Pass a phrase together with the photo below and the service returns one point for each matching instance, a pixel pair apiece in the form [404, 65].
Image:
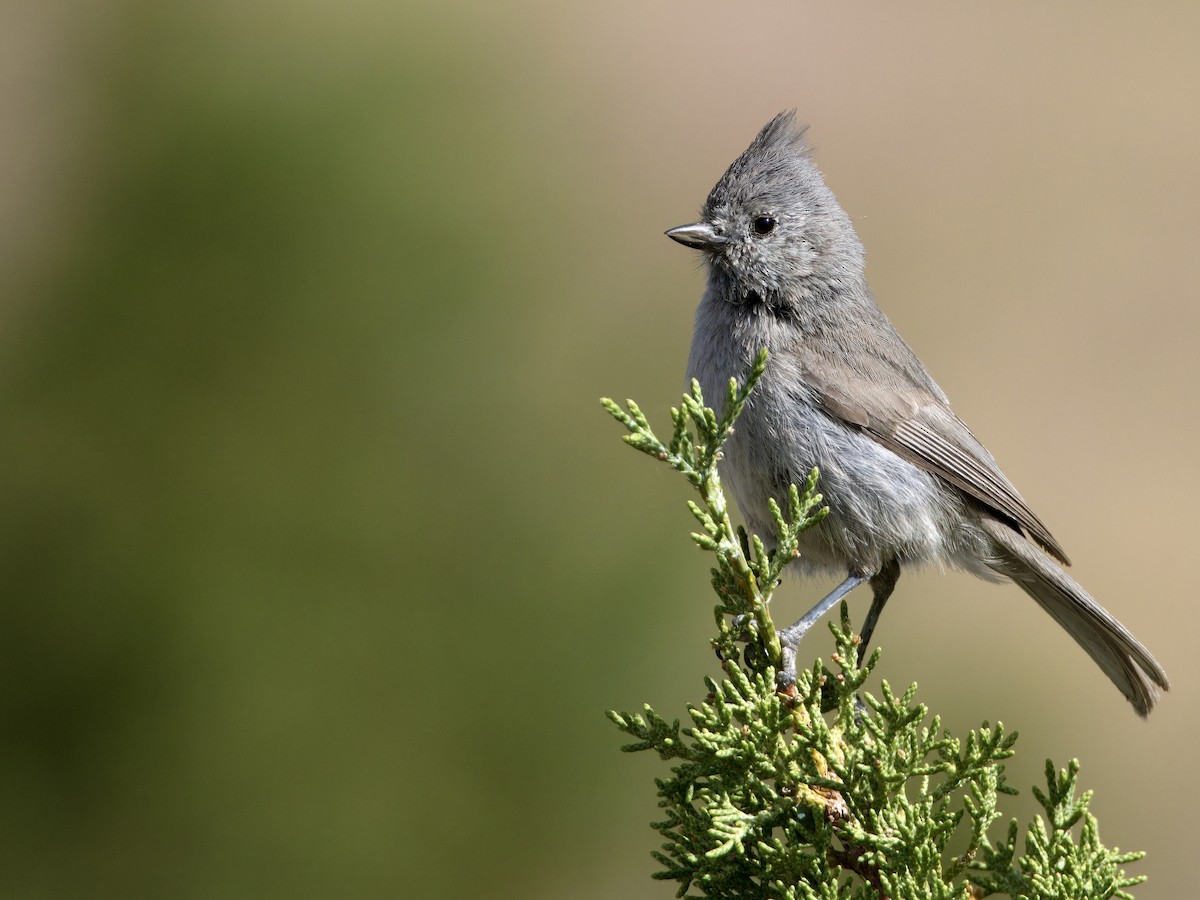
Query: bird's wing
[927, 433]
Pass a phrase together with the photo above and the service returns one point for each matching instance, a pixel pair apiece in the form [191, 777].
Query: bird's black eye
[763, 225]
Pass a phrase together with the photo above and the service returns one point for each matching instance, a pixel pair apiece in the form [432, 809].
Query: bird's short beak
[700, 236]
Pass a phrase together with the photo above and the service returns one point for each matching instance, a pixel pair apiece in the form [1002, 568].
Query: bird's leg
[883, 583]
[790, 637]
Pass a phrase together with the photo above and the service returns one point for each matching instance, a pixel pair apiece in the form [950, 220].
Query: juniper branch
[746, 574]
[824, 790]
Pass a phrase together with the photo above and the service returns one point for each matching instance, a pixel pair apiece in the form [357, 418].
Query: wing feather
[913, 420]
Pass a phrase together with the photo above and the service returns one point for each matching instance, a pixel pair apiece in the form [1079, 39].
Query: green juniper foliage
[810, 791]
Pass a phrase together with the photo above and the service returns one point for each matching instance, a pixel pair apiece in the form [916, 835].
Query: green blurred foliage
[271, 490]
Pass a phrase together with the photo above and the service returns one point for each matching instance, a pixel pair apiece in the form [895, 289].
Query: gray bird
[905, 481]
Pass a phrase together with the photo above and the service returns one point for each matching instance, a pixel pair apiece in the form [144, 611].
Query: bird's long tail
[1130, 665]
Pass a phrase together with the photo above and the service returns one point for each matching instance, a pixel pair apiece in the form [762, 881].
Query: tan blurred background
[320, 560]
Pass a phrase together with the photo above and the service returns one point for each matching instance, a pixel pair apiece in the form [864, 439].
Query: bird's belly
[881, 507]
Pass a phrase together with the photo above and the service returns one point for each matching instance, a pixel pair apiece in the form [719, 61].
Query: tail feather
[1131, 666]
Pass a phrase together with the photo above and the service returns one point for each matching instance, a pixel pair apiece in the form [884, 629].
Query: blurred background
[320, 560]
